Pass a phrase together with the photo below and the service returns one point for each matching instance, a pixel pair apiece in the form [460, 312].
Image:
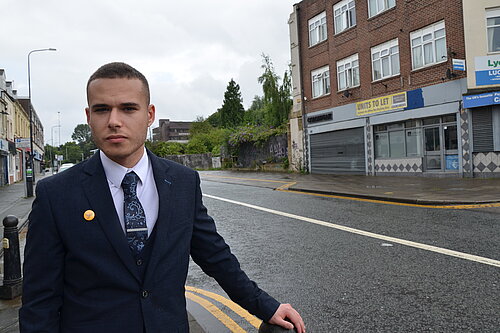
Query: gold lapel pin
[89, 215]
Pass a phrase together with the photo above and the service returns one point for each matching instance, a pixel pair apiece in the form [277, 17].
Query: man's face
[119, 116]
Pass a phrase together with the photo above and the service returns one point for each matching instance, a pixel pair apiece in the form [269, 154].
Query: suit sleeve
[43, 269]
[212, 254]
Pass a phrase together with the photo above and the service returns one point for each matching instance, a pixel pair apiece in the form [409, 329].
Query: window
[493, 28]
[344, 15]
[317, 29]
[378, 6]
[320, 82]
[385, 60]
[348, 72]
[398, 140]
[428, 45]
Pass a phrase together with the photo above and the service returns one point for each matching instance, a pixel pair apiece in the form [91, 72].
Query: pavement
[409, 189]
[416, 190]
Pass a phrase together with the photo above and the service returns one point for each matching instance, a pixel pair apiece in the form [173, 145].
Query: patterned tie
[135, 219]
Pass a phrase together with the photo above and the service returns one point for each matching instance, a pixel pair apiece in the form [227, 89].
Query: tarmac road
[344, 281]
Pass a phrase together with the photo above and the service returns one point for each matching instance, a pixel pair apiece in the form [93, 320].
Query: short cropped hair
[119, 70]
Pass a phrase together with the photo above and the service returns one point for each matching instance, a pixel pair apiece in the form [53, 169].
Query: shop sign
[452, 162]
[458, 64]
[387, 103]
[474, 101]
[22, 142]
[4, 145]
[319, 118]
[487, 70]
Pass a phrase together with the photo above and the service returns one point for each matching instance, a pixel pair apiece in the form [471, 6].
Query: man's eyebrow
[129, 104]
[95, 106]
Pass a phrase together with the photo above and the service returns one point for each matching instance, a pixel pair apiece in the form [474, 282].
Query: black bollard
[269, 328]
[12, 280]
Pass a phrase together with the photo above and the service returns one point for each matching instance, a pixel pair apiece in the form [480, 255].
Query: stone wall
[196, 161]
[275, 150]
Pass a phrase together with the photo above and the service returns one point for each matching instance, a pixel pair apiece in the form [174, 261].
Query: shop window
[381, 145]
[397, 144]
[344, 14]
[493, 29]
[317, 29]
[428, 45]
[414, 142]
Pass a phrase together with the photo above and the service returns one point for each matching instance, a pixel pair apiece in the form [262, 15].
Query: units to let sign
[387, 103]
[487, 70]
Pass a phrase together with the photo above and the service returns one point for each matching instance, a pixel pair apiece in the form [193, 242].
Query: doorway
[441, 144]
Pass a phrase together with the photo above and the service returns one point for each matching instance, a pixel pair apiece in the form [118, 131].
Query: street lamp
[52, 147]
[30, 175]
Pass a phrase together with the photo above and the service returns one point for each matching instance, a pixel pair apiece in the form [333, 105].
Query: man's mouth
[116, 138]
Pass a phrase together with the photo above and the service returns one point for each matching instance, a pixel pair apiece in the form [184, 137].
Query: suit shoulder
[63, 178]
[176, 167]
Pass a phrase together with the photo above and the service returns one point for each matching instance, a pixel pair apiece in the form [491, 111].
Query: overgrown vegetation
[231, 126]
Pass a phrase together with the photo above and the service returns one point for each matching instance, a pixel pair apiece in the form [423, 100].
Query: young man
[109, 240]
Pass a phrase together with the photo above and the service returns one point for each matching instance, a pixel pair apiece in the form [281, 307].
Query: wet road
[358, 280]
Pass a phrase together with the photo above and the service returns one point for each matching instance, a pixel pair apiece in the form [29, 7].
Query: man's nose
[114, 118]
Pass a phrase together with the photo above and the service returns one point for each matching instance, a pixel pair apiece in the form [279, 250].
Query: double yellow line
[286, 185]
[191, 294]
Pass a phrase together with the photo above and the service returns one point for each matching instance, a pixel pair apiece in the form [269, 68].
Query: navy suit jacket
[80, 276]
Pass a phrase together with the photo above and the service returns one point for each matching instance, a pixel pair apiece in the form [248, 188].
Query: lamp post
[52, 148]
[30, 175]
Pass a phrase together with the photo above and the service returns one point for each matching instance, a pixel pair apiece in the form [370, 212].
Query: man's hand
[285, 311]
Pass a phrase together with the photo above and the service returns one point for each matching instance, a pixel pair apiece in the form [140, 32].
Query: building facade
[174, 131]
[480, 117]
[15, 134]
[379, 85]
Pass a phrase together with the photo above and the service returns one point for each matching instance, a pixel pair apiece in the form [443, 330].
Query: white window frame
[492, 13]
[320, 82]
[317, 29]
[426, 38]
[380, 6]
[344, 15]
[386, 53]
[348, 72]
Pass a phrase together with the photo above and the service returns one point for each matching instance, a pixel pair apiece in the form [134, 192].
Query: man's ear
[87, 113]
[151, 114]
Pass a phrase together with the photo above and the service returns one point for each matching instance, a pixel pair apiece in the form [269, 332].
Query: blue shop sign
[474, 101]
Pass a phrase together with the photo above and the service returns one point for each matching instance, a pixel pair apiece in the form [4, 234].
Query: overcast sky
[188, 50]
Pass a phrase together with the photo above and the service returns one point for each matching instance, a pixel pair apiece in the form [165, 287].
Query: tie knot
[129, 183]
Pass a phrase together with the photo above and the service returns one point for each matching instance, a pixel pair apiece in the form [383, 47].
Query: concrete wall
[273, 151]
[196, 161]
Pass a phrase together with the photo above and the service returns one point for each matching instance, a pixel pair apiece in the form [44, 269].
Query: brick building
[378, 87]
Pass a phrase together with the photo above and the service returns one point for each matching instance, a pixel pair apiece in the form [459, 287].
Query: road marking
[287, 184]
[421, 246]
[230, 304]
[216, 312]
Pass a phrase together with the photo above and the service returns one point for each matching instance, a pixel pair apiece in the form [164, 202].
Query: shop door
[441, 148]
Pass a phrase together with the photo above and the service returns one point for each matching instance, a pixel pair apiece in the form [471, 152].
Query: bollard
[12, 280]
[269, 328]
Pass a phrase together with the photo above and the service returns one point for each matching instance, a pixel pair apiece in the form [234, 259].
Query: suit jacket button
[139, 262]
[145, 294]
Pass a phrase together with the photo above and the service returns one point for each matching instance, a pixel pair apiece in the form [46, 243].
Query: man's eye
[130, 108]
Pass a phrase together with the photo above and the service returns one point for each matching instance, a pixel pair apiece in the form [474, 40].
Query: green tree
[256, 115]
[72, 152]
[83, 136]
[199, 126]
[232, 111]
[277, 98]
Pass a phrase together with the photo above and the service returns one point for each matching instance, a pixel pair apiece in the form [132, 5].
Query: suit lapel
[164, 183]
[96, 189]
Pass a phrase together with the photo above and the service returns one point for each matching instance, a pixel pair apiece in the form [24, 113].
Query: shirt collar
[115, 172]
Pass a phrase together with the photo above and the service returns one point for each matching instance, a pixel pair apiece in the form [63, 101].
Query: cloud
[188, 50]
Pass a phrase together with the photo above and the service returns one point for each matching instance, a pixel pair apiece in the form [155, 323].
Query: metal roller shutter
[482, 130]
[338, 152]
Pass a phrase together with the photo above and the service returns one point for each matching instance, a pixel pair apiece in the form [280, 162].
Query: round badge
[89, 215]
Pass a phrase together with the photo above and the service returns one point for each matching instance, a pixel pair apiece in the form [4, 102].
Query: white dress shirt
[146, 188]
